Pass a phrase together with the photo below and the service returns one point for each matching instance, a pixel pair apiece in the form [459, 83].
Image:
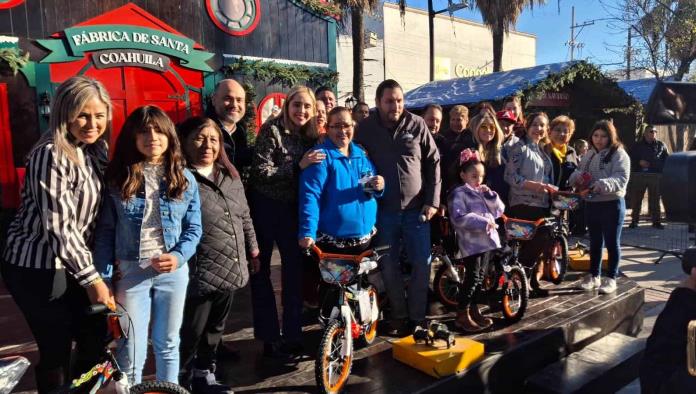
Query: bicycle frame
[354, 290]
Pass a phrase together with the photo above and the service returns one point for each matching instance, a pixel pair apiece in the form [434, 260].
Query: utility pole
[451, 8]
[628, 55]
[573, 36]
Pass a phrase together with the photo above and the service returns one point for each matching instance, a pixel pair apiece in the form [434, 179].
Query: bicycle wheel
[515, 295]
[331, 369]
[153, 387]
[557, 262]
[369, 330]
[446, 289]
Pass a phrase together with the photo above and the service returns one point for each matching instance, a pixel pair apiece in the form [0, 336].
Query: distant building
[399, 50]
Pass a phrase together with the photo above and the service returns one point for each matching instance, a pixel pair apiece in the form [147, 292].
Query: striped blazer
[55, 223]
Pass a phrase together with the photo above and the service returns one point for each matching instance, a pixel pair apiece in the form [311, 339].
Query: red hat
[507, 116]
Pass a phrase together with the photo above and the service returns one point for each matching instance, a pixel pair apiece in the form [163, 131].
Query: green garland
[580, 70]
[318, 7]
[249, 118]
[286, 75]
[11, 59]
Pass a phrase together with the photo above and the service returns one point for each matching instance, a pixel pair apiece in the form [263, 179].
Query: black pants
[53, 305]
[531, 250]
[202, 329]
[475, 269]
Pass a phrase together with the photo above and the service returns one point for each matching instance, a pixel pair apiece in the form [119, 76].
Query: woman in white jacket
[604, 170]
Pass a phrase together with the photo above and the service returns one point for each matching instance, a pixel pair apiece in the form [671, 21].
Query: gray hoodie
[406, 157]
[611, 177]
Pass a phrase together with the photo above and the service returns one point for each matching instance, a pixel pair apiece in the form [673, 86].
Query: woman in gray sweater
[604, 170]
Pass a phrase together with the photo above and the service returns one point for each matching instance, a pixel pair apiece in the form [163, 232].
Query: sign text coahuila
[119, 58]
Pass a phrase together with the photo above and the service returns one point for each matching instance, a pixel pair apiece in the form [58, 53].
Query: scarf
[559, 153]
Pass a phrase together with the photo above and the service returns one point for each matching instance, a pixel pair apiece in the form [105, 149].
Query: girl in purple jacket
[473, 210]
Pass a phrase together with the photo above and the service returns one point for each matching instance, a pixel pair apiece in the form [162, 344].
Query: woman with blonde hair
[489, 137]
[282, 150]
[48, 266]
[563, 156]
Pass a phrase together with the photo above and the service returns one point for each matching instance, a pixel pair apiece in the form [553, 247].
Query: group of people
[167, 231]
[504, 164]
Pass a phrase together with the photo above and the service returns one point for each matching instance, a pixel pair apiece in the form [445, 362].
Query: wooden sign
[130, 57]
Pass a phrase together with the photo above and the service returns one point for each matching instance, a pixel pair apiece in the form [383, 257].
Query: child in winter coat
[473, 210]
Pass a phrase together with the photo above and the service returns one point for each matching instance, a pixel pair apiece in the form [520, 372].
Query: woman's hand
[100, 293]
[306, 242]
[312, 157]
[165, 263]
[254, 262]
[377, 183]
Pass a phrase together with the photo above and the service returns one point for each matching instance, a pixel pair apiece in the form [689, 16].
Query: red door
[9, 188]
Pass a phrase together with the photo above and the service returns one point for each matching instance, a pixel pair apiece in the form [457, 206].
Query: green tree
[500, 16]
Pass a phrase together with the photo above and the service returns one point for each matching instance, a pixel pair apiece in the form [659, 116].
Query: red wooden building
[164, 52]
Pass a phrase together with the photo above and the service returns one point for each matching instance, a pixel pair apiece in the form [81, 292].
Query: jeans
[392, 228]
[276, 221]
[145, 293]
[604, 221]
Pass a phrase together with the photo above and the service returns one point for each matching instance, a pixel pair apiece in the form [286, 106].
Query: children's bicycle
[505, 281]
[107, 371]
[353, 316]
[556, 255]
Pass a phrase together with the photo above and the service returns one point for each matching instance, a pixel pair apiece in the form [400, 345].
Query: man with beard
[403, 150]
[229, 107]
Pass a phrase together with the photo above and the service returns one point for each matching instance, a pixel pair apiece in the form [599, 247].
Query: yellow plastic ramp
[437, 360]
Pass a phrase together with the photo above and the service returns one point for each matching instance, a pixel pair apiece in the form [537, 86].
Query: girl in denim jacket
[473, 210]
[150, 224]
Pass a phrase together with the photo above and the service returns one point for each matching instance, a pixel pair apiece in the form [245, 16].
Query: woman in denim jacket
[150, 224]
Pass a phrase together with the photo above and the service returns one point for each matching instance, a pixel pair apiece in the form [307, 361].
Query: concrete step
[604, 366]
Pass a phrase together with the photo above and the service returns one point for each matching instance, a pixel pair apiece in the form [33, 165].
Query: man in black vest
[229, 107]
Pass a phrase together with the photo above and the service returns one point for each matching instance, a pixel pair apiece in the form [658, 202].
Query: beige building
[462, 49]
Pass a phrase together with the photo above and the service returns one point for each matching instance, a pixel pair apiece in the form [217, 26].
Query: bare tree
[664, 33]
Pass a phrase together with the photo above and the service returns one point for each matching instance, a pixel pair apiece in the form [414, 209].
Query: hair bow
[467, 155]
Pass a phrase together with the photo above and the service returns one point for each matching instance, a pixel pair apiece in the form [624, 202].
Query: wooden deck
[565, 321]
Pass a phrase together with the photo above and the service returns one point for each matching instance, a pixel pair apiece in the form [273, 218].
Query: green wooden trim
[331, 44]
[29, 72]
[209, 82]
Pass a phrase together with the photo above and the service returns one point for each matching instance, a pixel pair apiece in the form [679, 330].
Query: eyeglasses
[340, 126]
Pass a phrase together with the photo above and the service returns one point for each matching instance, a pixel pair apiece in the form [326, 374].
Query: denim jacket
[118, 228]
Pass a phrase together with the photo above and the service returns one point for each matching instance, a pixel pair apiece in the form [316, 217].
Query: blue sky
[553, 30]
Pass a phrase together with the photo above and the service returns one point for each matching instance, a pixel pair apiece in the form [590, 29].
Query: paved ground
[637, 264]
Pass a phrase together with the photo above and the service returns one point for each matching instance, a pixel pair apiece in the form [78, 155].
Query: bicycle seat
[11, 371]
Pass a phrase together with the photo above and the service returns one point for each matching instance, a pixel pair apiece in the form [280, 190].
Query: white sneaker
[589, 282]
[608, 286]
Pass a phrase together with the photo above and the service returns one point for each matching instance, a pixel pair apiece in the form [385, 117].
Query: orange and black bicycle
[352, 316]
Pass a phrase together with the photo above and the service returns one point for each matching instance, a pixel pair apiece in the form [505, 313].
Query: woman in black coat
[219, 267]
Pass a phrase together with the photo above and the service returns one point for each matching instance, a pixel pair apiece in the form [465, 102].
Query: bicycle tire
[447, 290]
[557, 263]
[156, 386]
[515, 289]
[332, 334]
